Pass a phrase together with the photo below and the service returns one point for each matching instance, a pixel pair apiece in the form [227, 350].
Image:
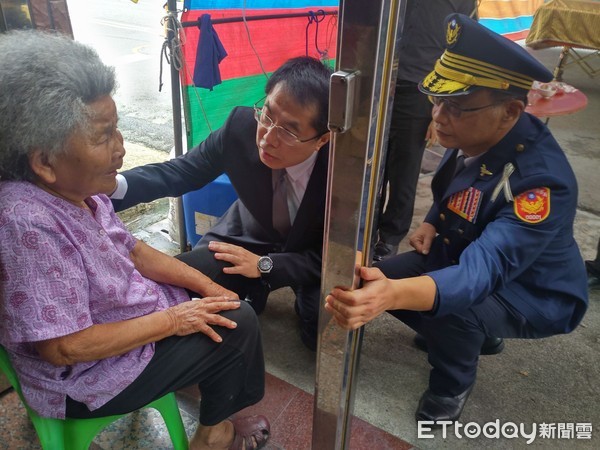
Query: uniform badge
[452, 33]
[466, 203]
[533, 206]
[483, 171]
[504, 185]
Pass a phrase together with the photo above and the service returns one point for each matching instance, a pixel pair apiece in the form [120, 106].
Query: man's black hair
[306, 79]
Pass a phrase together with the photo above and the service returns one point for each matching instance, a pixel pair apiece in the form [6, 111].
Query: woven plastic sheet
[574, 23]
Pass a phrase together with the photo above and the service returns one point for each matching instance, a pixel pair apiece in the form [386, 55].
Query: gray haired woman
[95, 321]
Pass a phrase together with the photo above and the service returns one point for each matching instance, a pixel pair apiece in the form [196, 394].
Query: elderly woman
[96, 322]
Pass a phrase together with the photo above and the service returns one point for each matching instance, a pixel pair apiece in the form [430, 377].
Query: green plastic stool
[77, 434]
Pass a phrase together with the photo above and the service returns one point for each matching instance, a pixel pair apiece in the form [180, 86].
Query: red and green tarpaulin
[253, 48]
[256, 47]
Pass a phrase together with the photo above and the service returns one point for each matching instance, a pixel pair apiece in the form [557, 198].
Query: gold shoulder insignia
[483, 171]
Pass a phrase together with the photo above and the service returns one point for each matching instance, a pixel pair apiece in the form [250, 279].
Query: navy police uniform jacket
[521, 249]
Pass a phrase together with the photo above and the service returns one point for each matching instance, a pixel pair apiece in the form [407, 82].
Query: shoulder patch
[533, 206]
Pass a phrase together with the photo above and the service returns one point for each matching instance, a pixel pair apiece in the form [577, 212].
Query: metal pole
[176, 103]
[361, 97]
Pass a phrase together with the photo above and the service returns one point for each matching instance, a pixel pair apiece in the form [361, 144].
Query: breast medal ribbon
[466, 203]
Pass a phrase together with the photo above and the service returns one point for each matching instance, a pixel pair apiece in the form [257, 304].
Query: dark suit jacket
[248, 222]
[522, 250]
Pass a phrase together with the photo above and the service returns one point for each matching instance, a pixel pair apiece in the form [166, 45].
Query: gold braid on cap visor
[453, 67]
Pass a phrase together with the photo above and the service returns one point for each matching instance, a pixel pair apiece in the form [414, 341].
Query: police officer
[495, 255]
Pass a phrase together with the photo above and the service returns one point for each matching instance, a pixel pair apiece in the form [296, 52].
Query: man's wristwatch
[265, 264]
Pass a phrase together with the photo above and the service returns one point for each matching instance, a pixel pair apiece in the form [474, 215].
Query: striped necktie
[281, 213]
[460, 164]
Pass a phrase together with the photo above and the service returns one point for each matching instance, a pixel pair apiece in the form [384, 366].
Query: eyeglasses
[453, 109]
[285, 136]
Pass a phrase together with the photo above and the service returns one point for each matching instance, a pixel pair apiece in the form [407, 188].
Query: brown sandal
[247, 428]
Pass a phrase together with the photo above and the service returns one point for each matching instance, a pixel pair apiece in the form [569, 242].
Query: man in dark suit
[280, 147]
[495, 255]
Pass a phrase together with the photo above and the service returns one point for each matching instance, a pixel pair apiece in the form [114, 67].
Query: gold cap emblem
[452, 33]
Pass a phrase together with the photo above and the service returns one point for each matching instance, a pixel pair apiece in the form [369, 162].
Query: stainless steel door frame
[360, 109]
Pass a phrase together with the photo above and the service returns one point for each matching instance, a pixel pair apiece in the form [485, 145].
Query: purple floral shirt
[62, 270]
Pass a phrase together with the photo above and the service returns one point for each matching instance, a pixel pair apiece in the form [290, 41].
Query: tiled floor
[288, 408]
[290, 411]
[143, 429]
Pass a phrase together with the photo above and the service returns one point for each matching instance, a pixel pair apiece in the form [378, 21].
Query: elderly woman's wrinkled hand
[200, 315]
